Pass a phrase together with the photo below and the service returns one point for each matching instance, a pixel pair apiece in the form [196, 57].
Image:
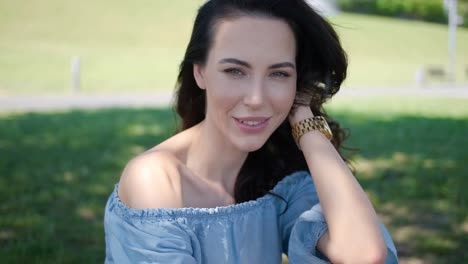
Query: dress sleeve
[303, 223]
[143, 239]
[302, 200]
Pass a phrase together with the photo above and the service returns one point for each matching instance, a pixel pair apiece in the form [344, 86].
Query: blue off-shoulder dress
[257, 231]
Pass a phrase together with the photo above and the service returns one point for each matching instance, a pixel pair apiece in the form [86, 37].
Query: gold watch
[309, 124]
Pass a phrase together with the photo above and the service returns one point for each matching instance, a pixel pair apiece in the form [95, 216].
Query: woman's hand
[301, 108]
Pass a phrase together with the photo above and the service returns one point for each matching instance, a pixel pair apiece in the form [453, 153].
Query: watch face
[328, 132]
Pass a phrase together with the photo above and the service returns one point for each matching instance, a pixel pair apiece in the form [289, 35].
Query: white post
[420, 77]
[452, 6]
[75, 72]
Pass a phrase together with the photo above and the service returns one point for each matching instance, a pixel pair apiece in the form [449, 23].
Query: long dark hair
[321, 68]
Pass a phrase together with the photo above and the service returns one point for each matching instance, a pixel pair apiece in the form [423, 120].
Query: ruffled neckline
[129, 212]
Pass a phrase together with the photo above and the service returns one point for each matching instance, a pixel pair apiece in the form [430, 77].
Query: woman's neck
[211, 157]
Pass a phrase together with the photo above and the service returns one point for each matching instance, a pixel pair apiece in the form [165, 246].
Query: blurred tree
[428, 10]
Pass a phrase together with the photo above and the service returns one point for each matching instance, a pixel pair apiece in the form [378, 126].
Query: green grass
[412, 164]
[386, 51]
[123, 45]
[137, 46]
[58, 168]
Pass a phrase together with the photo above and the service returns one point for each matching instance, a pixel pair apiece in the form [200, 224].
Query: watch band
[309, 124]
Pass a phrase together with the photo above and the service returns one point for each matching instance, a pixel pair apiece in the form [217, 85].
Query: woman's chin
[250, 146]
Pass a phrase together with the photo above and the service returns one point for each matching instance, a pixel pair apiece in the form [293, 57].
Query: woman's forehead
[253, 38]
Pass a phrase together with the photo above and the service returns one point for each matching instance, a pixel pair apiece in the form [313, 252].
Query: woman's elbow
[374, 255]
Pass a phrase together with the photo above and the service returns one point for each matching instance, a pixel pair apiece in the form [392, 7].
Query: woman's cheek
[283, 96]
[225, 95]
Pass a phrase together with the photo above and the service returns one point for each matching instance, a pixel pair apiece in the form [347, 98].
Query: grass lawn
[123, 45]
[58, 168]
[386, 51]
[136, 46]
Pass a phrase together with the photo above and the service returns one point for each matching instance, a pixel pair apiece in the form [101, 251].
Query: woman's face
[250, 79]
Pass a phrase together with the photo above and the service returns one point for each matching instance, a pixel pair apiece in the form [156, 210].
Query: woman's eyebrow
[246, 64]
[282, 65]
[235, 61]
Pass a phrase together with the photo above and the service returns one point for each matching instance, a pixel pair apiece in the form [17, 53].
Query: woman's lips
[252, 125]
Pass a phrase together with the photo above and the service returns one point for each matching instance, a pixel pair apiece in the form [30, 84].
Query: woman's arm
[354, 234]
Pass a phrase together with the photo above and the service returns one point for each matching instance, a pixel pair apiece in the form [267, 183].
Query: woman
[234, 185]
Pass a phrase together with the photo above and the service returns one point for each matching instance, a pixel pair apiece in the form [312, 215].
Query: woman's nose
[255, 94]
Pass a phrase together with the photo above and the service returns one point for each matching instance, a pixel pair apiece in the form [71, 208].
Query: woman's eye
[280, 74]
[235, 72]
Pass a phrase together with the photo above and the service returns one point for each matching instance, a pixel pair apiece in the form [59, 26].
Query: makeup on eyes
[239, 72]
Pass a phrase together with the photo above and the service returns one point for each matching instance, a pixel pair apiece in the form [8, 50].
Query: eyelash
[281, 74]
[234, 71]
[237, 72]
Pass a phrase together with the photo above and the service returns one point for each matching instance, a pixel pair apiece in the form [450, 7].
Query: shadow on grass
[57, 172]
[59, 168]
[414, 170]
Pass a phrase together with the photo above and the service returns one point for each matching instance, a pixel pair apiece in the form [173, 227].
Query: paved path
[161, 99]
[83, 101]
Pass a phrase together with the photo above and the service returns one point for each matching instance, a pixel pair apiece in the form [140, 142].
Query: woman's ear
[199, 74]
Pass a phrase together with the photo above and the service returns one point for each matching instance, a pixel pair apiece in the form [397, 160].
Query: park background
[58, 166]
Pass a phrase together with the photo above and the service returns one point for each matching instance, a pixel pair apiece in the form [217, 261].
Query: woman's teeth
[252, 123]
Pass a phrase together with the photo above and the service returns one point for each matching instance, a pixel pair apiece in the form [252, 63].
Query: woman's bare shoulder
[151, 180]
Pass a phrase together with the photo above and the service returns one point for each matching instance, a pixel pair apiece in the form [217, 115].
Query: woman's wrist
[313, 138]
[304, 124]
[300, 113]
